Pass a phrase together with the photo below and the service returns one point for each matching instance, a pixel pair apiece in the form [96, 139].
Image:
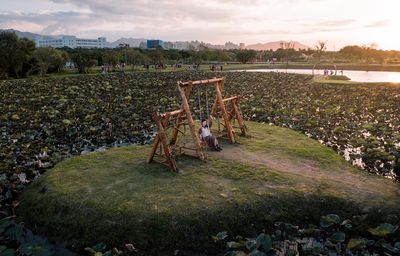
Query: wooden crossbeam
[178, 130]
[230, 98]
[176, 112]
[201, 82]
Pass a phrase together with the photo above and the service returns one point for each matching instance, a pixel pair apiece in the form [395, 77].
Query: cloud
[337, 23]
[378, 24]
[215, 21]
[49, 22]
[183, 10]
[165, 18]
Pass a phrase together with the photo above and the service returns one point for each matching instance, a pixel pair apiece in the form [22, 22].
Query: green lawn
[273, 174]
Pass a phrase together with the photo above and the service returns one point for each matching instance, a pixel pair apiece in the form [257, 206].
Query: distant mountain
[274, 46]
[133, 42]
[29, 35]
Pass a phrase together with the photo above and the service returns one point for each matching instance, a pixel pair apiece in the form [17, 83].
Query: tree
[367, 50]
[288, 50]
[184, 55]
[111, 58]
[173, 55]
[16, 55]
[84, 59]
[196, 57]
[134, 57]
[157, 56]
[221, 56]
[49, 58]
[352, 52]
[320, 48]
[245, 56]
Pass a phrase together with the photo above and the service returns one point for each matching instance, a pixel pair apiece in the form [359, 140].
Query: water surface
[354, 75]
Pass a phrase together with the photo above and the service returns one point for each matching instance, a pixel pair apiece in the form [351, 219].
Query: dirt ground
[311, 175]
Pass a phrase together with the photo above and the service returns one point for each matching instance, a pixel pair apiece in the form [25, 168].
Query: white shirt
[205, 132]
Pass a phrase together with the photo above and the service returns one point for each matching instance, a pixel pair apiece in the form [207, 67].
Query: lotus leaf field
[43, 121]
[46, 120]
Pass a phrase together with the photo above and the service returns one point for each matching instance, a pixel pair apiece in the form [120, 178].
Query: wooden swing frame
[183, 116]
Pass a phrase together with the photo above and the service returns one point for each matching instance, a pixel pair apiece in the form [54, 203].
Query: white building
[168, 45]
[181, 45]
[71, 42]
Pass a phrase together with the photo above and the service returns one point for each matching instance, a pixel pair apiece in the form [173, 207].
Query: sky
[339, 22]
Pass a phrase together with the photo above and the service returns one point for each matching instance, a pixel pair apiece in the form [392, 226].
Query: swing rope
[208, 112]
[199, 101]
[198, 96]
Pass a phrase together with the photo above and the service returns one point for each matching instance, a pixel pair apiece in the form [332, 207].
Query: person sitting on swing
[206, 135]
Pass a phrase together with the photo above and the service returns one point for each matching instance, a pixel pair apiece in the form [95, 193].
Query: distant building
[194, 45]
[230, 46]
[71, 42]
[123, 45]
[143, 45]
[181, 45]
[154, 44]
[215, 46]
[168, 45]
[242, 46]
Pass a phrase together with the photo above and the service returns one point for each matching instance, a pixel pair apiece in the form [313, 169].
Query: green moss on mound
[275, 174]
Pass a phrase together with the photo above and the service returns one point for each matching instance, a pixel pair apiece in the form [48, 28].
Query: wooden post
[215, 105]
[153, 149]
[175, 131]
[157, 138]
[196, 140]
[165, 120]
[239, 116]
[163, 139]
[188, 89]
[228, 125]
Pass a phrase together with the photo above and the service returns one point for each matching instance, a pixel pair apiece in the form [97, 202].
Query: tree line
[21, 58]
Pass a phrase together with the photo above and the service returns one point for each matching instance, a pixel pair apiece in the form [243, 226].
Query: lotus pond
[46, 120]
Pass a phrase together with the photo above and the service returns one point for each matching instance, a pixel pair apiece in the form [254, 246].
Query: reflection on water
[354, 75]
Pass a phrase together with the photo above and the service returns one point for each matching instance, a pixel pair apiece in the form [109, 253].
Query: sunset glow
[337, 21]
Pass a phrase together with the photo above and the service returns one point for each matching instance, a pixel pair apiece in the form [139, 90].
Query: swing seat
[202, 142]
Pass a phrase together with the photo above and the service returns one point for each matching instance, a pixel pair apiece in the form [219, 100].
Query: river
[354, 75]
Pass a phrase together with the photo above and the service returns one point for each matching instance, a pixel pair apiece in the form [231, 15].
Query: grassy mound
[338, 77]
[275, 174]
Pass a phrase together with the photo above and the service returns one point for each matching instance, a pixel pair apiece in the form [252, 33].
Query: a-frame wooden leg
[179, 118]
[156, 143]
[176, 129]
[214, 108]
[239, 116]
[225, 116]
[162, 138]
[153, 149]
[232, 113]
